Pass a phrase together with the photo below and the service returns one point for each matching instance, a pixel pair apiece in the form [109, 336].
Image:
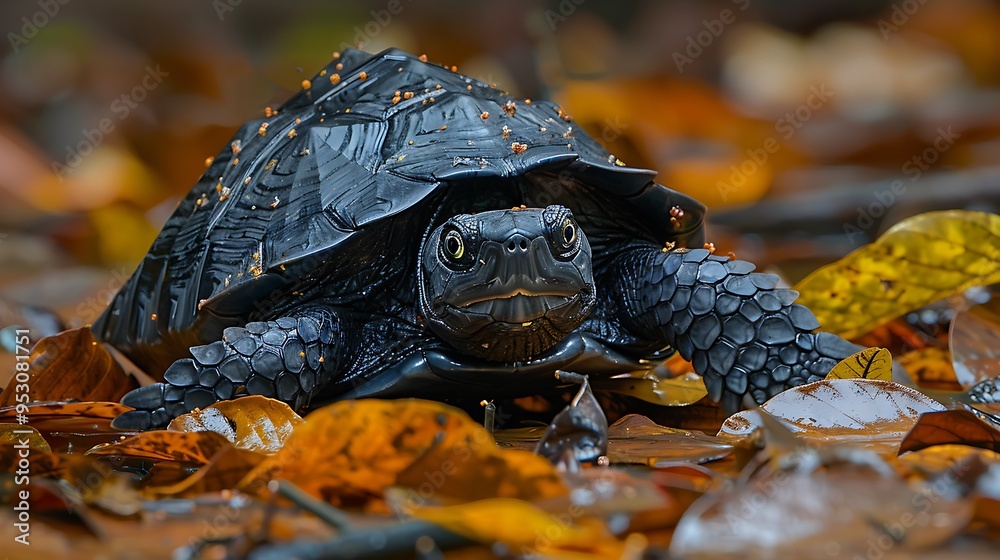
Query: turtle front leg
[289, 359]
[742, 334]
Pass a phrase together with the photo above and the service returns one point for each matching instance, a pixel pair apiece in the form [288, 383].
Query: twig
[331, 515]
[362, 545]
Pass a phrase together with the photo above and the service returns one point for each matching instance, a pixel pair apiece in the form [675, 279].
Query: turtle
[398, 229]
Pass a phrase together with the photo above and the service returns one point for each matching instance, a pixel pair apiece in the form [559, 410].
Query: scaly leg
[289, 359]
[742, 334]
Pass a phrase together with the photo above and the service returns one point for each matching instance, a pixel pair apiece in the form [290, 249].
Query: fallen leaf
[841, 512]
[929, 365]
[916, 262]
[951, 426]
[526, 529]
[256, 423]
[349, 452]
[162, 445]
[69, 425]
[71, 365]
[224, 471]
[580, 429]
[637, 439]
[870, 363]
[677, 391]
[874, 414]
[974, 341]
[23, 435]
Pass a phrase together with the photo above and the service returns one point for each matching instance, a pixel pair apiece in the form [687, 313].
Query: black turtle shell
[367, 138]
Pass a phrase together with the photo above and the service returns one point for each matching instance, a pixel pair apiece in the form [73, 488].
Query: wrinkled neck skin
[506, 285]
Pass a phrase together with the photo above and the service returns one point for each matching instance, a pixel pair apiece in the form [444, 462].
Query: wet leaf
[163, 445]
[348, 453]
[676, 391]
[875, 414]
[951, 426]
[72, 365]
[870, 363]
[526, 529]
[224, 471]
[974, 340]
[831, 513]
[580, 429]
[918, 261]
[256, 423]
[69, 425]
[23, 435]
[637, 439]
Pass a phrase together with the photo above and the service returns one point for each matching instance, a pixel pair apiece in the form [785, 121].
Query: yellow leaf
[929, 365]
[348, 453]
[16, 433]
[870, 363]
[918, 261]
[526, 529]
[677, 391]
[255, 422]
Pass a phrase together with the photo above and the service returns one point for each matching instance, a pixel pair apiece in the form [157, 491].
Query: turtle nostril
[510, 246]
[524, 245]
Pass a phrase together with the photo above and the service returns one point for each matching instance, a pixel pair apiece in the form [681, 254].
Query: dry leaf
[870, 363]
[224, 471]
[72, 365]
[867, 412]
[256, 423]
[916, 262]
[951, 426]
[929, 365]
[348, 453]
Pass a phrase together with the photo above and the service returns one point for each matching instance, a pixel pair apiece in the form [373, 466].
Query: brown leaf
[163, 445]
[71, 365]
[637, 439]
[223, 472]
[348, 453]
[69, 425]
[256, 423]
[951, 426]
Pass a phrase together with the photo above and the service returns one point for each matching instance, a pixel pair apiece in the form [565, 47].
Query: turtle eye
[453, 246]
[568, 232]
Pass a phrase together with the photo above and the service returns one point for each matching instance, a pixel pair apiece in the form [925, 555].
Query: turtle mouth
[521, 307]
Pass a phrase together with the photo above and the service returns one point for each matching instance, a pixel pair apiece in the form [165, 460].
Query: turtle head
[506, 285]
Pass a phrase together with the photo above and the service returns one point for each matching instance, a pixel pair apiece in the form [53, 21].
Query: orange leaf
[72, 365]
[348, 453]
[256, 423]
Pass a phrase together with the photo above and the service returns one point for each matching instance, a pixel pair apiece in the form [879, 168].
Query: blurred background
[807, 127]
